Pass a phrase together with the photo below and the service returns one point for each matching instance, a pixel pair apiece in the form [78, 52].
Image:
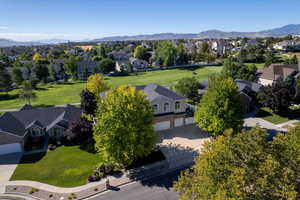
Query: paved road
[155, 189]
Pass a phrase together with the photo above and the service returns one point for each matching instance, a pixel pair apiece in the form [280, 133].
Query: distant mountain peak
[209, 34]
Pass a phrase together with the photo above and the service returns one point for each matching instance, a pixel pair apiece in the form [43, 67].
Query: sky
[26, 20]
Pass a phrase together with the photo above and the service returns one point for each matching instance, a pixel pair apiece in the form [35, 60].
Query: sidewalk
[290, 123]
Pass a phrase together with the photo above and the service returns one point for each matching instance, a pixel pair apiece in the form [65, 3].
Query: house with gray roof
[247, 90]
[169, 108]
[17, 127]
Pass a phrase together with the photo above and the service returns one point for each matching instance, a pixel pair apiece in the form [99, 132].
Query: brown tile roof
[277, 71]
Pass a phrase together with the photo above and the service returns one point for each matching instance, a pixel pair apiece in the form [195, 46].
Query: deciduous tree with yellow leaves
[96, 84]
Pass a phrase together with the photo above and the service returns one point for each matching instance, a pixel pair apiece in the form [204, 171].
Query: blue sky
[82, 19]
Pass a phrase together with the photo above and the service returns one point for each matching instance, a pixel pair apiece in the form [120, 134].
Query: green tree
[237, 70]
[204, 48]
[220, 107]
[52, 72]
[41, 71]
[124, 128]
[5, 79]
[182, 57]
[141, 53]
[278, 97]
[107, 65]
[189, 87]
[244, 166]
[71, 66]
[26, 92]
[101, 51]
[166, 51]
[17, 76]
[270, 58]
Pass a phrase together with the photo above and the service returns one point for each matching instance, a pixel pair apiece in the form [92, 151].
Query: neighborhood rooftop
[153, 91]
[276, 71]
[18, 122]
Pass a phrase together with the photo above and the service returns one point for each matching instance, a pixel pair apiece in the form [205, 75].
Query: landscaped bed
[268, 115]
[64, 167]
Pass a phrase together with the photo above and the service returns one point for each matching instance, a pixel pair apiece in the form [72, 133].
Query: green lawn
[64, 167]
[268, 115]
[63, 94]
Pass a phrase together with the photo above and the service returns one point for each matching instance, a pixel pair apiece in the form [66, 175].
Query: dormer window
[166, 107]
[177, 105]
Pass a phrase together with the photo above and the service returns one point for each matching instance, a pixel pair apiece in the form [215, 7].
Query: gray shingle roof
[17, 122]
[153, 91]
[246, 85]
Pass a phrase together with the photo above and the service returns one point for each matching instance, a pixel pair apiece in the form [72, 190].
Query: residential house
[278, 72]
[247, 90]
[284, 45]
[122, 66]
[120, 55]
[30, 122]
[221, 46]
[87, 66]
[138, 65]
[170, 109]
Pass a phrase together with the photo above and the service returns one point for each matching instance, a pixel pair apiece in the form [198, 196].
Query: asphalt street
[159, 188]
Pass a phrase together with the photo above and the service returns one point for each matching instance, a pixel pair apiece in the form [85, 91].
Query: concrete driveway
[182, 144]
[8, 164]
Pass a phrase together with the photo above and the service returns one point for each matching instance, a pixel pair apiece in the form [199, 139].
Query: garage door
[10, 148]
[179, 122]
[162, 125]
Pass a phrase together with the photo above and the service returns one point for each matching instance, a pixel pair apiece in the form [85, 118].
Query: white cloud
[3, 27]
[43, 36]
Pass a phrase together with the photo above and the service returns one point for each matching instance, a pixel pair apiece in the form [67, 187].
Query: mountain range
[291, 29]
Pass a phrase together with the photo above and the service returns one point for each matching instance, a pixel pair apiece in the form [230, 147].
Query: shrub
[51, 147]
[72, 196]
[103, 170]
[33, 190]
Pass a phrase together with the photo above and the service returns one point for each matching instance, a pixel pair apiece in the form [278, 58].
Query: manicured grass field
[69, 93]
[64, 167]
[268, 115]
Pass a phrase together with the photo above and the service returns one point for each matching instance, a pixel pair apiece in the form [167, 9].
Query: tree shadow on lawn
[32, 158]
[193, 68]
[41, 89]
[290, 114]
[8, 96]
[43, 105]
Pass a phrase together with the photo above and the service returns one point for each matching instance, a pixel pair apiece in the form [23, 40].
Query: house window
[155, 108]
[177, 105]
[166, 107]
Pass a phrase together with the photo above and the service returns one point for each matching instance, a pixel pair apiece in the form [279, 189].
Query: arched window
[166, 107]
[177, 105]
